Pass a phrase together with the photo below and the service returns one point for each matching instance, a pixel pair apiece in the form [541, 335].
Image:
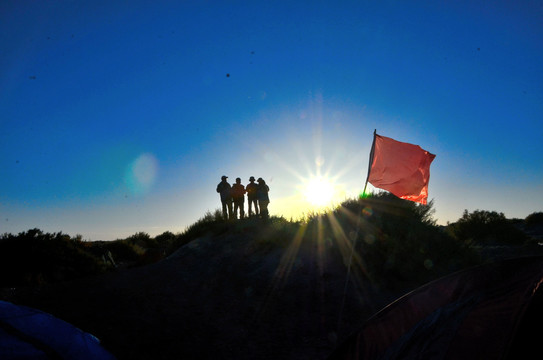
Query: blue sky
[121, 116]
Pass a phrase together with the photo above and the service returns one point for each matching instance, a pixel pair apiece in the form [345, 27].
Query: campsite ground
[223, 297]
[235, 302]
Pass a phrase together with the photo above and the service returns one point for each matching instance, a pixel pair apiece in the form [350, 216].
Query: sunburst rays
[310, 182]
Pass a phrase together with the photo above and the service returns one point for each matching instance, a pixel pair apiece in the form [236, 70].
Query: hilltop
[216, 295]
[219, 296]
[260, 289]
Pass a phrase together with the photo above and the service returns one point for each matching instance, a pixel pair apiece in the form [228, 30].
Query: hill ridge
[259, 289]
[217, 294]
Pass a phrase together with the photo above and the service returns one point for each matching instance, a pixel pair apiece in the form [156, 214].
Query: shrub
[166, 239]
[123, 250]
[535, 218]
[142, 239]
[34, 258]
[486, 228]
[398, 240]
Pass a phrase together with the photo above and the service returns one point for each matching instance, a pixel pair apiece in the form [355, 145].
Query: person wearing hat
[263, 198]
[225, 190]
[238, 195]
[251, 189]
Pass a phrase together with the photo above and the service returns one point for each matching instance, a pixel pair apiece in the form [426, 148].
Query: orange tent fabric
[401, 168]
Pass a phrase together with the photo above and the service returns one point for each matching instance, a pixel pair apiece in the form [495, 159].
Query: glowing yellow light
[319, 192]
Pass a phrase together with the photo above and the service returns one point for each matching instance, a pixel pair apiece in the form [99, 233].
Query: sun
[319, 191]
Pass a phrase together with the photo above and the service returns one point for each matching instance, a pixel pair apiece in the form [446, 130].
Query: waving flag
[401, 168]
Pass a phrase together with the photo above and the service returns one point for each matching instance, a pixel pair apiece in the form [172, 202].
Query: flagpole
[353, 245]
[372, 153]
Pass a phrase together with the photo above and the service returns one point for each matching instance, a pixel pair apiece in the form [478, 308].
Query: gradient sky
[121, 116]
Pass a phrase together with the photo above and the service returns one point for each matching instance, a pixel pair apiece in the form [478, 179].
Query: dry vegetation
[285, 289]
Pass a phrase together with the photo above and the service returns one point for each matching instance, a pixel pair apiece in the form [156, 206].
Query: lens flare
[141, 174]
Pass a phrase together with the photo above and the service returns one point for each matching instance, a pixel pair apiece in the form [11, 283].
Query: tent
[491, 311]
[27, 333]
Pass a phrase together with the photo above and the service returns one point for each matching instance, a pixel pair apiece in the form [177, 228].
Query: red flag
[401, 168]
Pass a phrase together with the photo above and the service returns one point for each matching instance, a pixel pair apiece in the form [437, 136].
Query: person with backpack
[263, 198]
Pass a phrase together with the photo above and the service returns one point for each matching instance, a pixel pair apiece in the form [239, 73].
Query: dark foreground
[235, 302]
[222, 297]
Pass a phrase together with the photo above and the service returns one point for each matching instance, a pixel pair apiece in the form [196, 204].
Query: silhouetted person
[225, 190]
[263, 198]
[238, 195]
[251, 189]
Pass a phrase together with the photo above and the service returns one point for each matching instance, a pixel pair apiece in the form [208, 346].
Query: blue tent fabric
[27, 333]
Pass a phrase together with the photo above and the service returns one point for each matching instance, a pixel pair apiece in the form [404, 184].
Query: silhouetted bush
[34, 258]
[396, 240]
[143, 240]
[166, 239]
[124, 251]
[535, 218]
[486, 228]
[396, 243]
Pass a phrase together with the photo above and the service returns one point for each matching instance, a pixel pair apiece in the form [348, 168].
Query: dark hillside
[250, 289]
[217, 295]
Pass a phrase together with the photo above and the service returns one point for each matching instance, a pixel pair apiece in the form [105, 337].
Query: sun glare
[319, 192]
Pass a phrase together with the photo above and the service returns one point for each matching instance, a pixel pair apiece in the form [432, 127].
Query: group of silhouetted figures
[233, 198]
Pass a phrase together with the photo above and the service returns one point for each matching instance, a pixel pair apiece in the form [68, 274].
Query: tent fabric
[27, 333]
[480, 313]
[401, 168]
